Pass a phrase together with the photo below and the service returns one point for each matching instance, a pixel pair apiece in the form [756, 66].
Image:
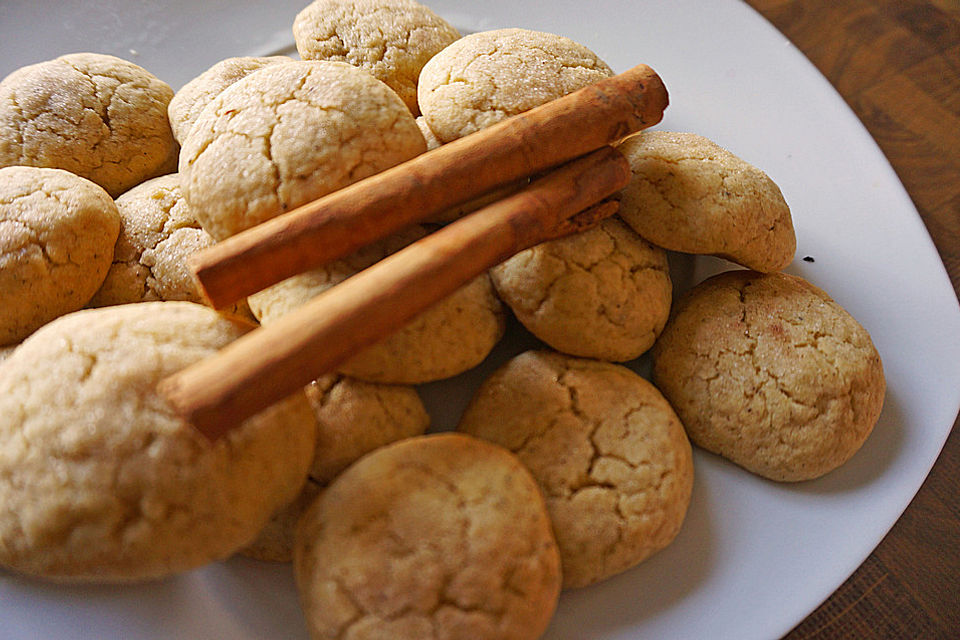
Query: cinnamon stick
[347, 219]
[272, 362]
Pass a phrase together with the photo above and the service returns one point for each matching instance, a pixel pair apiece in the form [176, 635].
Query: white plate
[754, 557]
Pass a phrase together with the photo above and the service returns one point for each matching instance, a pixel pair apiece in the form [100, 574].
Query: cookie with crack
[95, 115]
[390, 39]
[486, 77]
[189, 101]
[604, 293]
[450, 337]
[606, 448]
[57, 232]
[688, 194]
[439, 536]
[771, 373]
[288, 134]
[101, 481]
[353, 419]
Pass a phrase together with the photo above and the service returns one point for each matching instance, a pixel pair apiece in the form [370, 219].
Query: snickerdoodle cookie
[604, 293]
[390, 39]
[486, 77]
[442, 536]
[101, 481]
[94, 115]
[606, 448]
[57, 232]
[288, 134]
[769, 372]
[450, 337]
[690, 195]
[192, 97]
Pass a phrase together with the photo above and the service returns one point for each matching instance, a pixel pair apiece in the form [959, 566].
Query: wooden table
[897, 64]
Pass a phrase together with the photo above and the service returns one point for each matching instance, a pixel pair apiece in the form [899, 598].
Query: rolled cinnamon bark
[345, 220]
[272, 362]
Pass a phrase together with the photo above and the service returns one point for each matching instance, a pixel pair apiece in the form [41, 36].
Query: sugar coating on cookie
[688, 194]
[441, 536]
[192, 97]
[57, 232]
[390, 39]
[448, 338]
[94, 115]
[771, 373]
[288, 134]
[486, 77]
[101, 481]
[606, 448]
[604, 293]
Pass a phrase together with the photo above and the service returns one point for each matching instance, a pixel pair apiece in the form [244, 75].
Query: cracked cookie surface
[101, 481]
[606, 448]
[769, 372]
[95, 115]
[604, 293]
[435, 537]
[189, 101]
[390, 39]
[486, 77]
[448, 338]
[688, 194]
[57, 233]
[288, 134]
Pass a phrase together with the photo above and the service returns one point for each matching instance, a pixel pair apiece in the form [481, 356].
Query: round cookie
[57, 232]
[101, 481]
[94, 115]
[604, 293]
[441, 536]
[608, 451]
[192, 97]
[390, 39]
[690, 195]
[274, 543]
[288, 134]
[450, 337]
[769, 372]
[486, 77]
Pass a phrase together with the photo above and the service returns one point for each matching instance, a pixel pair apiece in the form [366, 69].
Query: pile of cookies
[566, 468]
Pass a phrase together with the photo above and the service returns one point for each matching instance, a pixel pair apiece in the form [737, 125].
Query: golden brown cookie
[690, 195]
[606, 448]
[486, 77]
[390, 39]
[288, 134]
[450, 337]
[274, 543]
[604, 293]
[769, 372]
[101, 481]
[192, 97]
[57, 232]
[94, 115]
[441, 536]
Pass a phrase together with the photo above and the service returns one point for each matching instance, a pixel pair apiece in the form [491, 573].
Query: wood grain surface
[897, 64]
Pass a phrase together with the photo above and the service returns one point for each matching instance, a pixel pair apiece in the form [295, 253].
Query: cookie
[101, 481]
[607, 450]
[769, 372]
[94, 115]
[450, 337]
[486, 77]
[57, 232]
[288, 134]
[390, 39]
[189, 101]
[441, 536]
[690, 195]
[274, 543]
[604, 293]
